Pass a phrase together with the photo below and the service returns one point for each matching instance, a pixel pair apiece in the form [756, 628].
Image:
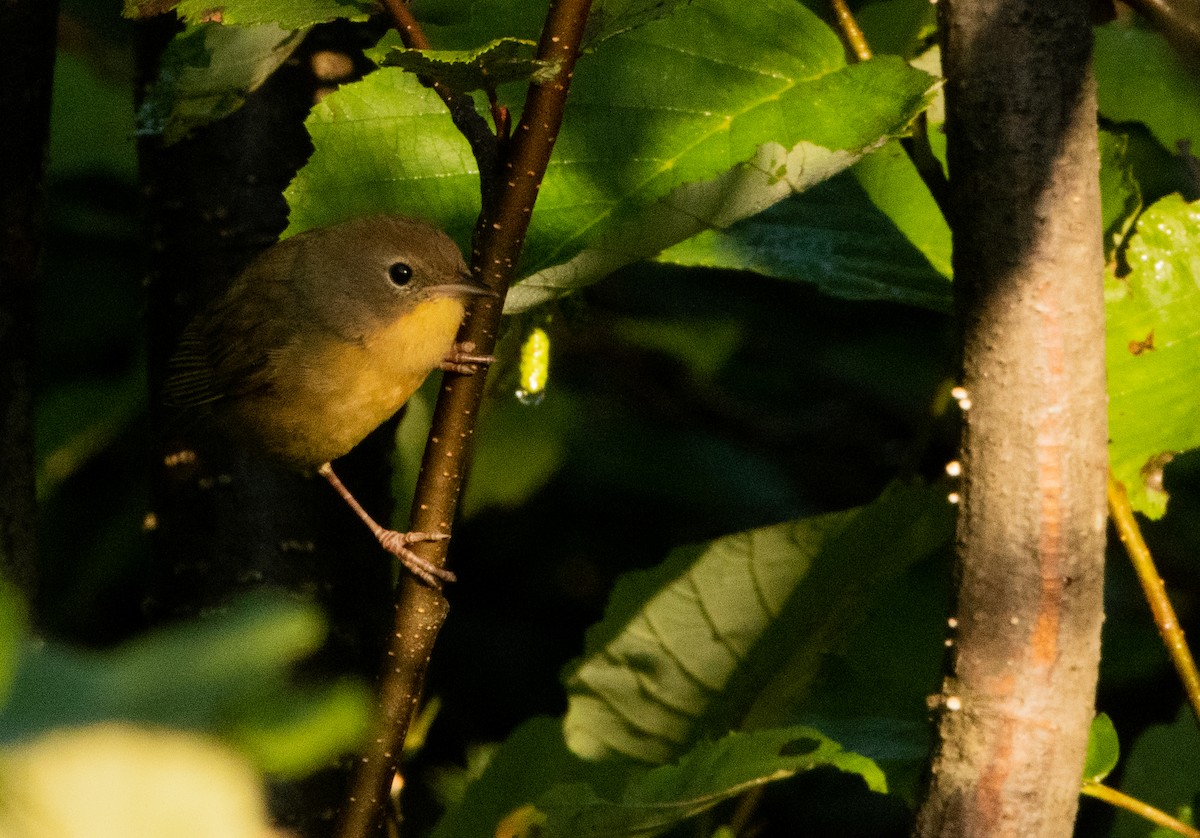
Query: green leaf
[286, 14]
[898, 27]
[1140, 78]
[1153, 348]
[534, 783]
[663, 797]
[227, 673]
[698, 120]
[292, 733]
[500, 62]
[844, 236]
[1161, 769]
[612, 17]
[385, 144]
[532, 760]
[732, 633]
[207, 71]
[1103, 749]
[91, 127]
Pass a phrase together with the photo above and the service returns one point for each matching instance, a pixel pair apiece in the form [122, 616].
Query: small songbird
[321, 339]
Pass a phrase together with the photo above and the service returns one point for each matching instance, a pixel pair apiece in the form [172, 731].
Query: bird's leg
[462, 360]
[394, 542]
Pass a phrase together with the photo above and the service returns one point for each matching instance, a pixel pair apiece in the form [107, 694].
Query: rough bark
[27, 70]
[1014, 713]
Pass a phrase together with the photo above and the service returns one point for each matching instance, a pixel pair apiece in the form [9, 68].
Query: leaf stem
[1155, 590]
[850, 29]
[1145, 810]
[461, 106]
[509, 191]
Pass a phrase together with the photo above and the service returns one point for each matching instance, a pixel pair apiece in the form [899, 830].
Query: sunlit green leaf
[697, 120]
[1103, 749]
[1153, 349]
[288, 14]
[1140, 78]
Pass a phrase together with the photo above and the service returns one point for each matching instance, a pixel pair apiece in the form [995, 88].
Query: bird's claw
[397, 543]
[461, 360]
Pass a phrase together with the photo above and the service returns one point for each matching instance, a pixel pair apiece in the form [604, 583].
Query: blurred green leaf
[12, 630]
[731, 634]
[612, 17]
[78, 419]
[206, 73]
[518, 448]
[1153, 349]
[119, 781]
[1140, 78]
[222, 674]
[898, 27]
[701, 119]
[91, 123]
[292, 733]
[1103, 749]
[1161, 769]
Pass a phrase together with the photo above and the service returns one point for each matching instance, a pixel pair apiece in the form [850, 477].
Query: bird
[322, 338]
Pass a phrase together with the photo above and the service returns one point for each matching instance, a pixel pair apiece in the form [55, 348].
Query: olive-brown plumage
[322, 338]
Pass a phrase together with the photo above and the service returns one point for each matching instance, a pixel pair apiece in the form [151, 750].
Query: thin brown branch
[499, 239]
[410, 30]
[1155, 590]
[1145, 810]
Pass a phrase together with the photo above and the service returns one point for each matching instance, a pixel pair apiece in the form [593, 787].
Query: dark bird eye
[400, 273]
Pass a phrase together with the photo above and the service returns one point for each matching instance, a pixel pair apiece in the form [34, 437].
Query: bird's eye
[400, 273]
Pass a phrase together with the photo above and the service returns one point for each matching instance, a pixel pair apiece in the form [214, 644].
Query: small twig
[917, 145]
[1145, 810]
[509, 193]
[1155, 590]
[461, 106]
[850, 29]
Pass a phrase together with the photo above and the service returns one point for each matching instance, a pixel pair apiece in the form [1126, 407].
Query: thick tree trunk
[26, 79]
[1014, 713]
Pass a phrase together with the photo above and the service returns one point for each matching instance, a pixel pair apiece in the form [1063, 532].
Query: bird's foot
[397, 543]
[462, 360]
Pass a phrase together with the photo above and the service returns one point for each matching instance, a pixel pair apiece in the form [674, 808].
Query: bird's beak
[468, 287]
